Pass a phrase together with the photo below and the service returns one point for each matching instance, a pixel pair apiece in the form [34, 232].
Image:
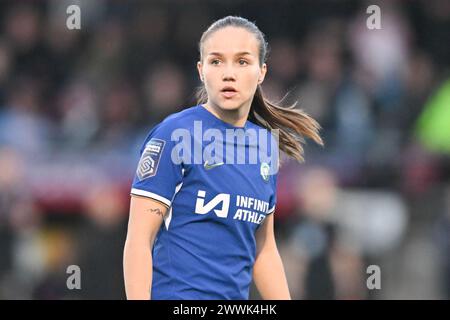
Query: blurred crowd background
[76, 105]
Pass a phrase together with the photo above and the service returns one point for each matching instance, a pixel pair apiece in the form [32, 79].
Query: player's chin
[230, 104]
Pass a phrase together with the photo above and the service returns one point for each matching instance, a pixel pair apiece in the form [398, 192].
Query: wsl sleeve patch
[148, 164]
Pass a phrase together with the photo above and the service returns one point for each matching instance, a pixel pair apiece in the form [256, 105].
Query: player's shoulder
[254, 125]
[183, 115]
[260, 129]
[183, 119]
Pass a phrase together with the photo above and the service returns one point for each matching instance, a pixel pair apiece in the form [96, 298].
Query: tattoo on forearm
[156, 211]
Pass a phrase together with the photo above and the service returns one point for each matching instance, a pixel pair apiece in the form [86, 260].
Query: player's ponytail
[292, 123]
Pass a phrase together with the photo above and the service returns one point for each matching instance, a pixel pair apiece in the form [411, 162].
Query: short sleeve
[158, 175]
[273, 198]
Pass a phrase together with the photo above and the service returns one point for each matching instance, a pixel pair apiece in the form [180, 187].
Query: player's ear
[262, 73]
[200, 70]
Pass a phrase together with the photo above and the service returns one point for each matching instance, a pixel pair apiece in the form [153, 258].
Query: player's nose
[228, 74]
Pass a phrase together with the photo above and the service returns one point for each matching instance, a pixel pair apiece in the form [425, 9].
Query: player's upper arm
[146, 217]
[158, 177]
[265, 235]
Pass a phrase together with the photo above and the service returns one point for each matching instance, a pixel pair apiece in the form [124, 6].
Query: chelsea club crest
[264, 170]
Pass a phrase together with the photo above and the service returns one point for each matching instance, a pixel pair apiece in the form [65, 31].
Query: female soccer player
[201, 225]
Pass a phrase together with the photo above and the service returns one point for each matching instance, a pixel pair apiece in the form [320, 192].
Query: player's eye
[243, 62]
[215, 61]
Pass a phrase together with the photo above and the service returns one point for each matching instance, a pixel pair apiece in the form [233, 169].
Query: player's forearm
[137, 266]
[269, 276]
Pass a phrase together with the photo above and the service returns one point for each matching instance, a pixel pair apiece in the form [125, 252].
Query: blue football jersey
[206, 247]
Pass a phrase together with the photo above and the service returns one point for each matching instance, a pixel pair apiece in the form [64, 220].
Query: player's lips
[228, 92]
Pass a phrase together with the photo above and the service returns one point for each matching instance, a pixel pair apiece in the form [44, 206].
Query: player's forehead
[230, 41]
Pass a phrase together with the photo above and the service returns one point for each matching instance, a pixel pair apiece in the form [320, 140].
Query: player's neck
[236, 118]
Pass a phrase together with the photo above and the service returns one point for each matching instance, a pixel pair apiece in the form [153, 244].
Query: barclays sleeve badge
[148, 164]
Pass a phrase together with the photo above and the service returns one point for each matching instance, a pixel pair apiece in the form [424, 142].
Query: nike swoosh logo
[211, 166]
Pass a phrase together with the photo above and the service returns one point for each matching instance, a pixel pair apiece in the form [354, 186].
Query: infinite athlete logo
[248, 209]
[148, 164]
[223, 198]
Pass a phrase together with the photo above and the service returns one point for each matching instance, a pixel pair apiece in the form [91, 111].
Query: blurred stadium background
[75, 106]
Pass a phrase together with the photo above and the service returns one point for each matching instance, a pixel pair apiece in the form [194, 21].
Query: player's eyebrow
[242, 53]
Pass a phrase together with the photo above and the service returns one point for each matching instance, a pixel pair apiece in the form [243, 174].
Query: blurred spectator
[442, 233]
[313, 237]
[22, 124]
[101, 247]
[164, 89]
[20, 222]
[433, 128]
[77, 103]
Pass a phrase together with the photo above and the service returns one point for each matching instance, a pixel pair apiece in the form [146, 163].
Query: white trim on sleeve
[271, 210]
[152, 195]
[168, 217]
